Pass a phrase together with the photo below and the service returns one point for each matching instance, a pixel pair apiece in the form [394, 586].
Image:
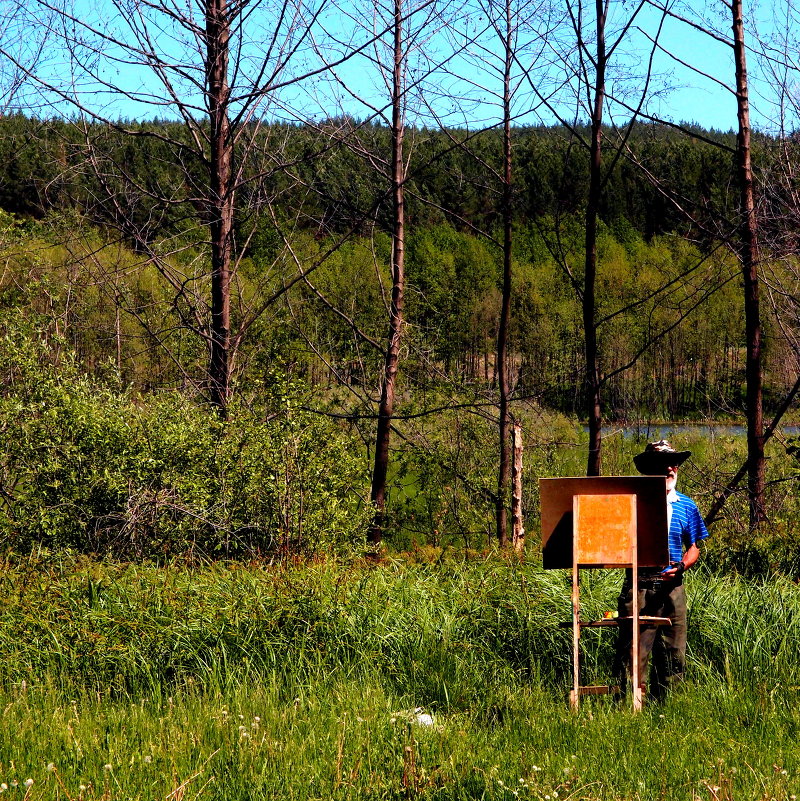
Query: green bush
[89, 465]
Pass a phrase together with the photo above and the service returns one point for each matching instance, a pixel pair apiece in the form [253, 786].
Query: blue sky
[682, 95]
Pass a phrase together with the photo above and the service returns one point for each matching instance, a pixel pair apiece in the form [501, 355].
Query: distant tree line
[42, 169]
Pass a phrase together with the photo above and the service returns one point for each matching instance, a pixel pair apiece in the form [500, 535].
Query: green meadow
[430, 676]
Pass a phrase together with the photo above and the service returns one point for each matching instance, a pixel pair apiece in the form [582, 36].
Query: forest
[109, 294]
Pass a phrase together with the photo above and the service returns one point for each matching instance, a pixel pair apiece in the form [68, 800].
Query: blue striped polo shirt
[686, 526]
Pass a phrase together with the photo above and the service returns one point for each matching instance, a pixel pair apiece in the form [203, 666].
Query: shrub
[89, 465]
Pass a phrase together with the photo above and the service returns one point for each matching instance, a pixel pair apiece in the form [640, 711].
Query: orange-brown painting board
[557, 518]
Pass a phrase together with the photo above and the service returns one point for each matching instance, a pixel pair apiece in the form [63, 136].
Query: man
[662, 594]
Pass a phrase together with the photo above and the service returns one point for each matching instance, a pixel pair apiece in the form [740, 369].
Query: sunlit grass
[243, 683]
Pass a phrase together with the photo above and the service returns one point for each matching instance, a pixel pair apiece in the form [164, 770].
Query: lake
[651, 432]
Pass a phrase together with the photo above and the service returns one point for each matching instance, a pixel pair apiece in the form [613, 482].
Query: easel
[618, 522]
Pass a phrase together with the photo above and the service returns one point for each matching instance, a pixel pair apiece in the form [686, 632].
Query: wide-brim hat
[658, 456]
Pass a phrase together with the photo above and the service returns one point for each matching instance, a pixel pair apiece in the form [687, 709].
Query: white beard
[671, 482]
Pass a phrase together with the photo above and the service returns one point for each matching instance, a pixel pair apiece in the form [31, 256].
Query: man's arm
[689, 558]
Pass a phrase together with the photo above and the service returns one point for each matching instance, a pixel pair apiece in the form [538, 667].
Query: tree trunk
[221, 198]
[386, 408]
[592, 379]
[504, 468]
[748, 239]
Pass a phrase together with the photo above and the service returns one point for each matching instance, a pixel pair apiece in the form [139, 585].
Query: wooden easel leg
[635, 683]
[574, 696]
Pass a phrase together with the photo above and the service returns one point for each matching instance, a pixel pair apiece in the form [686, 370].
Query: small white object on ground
[418, 715]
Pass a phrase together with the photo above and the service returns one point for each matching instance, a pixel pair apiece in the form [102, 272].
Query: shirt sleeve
[695, 527]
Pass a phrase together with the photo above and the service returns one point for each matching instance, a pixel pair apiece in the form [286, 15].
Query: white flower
[108, 766]
[257, 719]
[3, 787]
[28, 782]
[148, 759]
[50, 767]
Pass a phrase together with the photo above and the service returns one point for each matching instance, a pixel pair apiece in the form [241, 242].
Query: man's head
[661, 459]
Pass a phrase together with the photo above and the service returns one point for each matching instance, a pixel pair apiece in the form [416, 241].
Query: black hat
[658, 456]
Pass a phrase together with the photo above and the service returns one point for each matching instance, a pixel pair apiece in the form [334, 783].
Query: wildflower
[3, 787]
[108, 766]
[82, 788]
[241, 717]
[14, 783]
[50, 767]
[784, 772]
[28, 782]
[148, 759]
[256, 719]
[536, 768]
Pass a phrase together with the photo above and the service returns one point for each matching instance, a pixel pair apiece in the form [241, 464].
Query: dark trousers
[663, 646]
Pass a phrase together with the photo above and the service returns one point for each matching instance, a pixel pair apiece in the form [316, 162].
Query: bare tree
[398, 176]
[395, 60]
[504, 50]
[749, 257]
[743, 236]
[594, 59]
[214, 73]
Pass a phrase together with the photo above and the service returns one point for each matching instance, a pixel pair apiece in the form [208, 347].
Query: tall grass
[237, 682]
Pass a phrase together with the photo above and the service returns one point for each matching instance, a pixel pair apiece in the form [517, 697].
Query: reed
[239, 682]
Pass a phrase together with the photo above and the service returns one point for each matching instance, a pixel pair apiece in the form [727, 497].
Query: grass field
[240, 682]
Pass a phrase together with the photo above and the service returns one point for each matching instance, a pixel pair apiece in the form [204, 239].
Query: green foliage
[89, 465]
